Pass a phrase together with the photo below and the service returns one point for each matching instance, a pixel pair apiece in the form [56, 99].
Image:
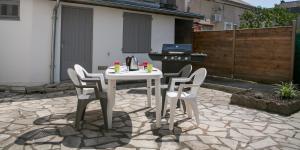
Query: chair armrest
[168, 76]
[182, 86]
[98, 81]
[90, 79]
[171, 74]
[94, 75]
[96, 90]
[181, 80]
[178, 80]
[85, 86]
[188, 86]
[99, 76]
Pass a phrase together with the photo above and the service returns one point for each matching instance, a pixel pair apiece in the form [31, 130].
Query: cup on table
[141, 67]
[145, 63]
[149, 68]
[117, 66]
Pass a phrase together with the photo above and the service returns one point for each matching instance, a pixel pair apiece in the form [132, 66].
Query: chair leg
[195, 110]
[188, 109]
[163, 98]
[81, 107]
[172, 113]
[183, 105]
[165, 105]
[149, 93]
[103, 103]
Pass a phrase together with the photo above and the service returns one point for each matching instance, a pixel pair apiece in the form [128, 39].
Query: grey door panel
[76, 39]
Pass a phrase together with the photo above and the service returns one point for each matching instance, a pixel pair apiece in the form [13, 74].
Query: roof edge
[136, 8]
[236, 4]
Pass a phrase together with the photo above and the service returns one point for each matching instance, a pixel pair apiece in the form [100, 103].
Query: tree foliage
[264, 17]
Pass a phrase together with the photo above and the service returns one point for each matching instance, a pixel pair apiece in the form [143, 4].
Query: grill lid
[177, 48]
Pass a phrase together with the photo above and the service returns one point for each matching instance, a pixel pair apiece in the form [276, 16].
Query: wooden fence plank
[263, 55]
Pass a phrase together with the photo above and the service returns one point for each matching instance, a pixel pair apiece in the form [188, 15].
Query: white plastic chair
[188, 97]
[84, 98]
[184, 72]
[85, 76]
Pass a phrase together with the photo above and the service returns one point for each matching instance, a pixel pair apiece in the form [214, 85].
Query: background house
[293, 6]
[38, 43]
[218, 14]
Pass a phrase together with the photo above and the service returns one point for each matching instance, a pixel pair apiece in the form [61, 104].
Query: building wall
[230, 14]
[108, 37]
[25, 45]
[208, 8]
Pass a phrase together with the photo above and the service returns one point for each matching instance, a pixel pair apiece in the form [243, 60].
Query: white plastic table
[112, 77]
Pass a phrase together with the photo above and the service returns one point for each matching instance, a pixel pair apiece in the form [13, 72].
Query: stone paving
[45, 121]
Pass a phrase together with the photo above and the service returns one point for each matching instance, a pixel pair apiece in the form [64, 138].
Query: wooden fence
[262, 55]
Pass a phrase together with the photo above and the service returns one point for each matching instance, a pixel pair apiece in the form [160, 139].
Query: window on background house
[136, 33]
[228, 26]
[10, 9]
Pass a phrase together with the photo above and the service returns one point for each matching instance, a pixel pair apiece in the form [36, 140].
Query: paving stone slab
[209, 139]
[230, 143]
[268, 142]
[72, 141]
[197, 145]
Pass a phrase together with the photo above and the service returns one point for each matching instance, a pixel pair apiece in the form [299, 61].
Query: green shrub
[287, 91]
[266, 17]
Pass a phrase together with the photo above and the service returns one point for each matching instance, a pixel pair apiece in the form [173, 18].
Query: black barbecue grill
[176, 56]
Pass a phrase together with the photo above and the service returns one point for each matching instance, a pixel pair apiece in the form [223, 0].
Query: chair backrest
[183, 73]
[81, 72]
[198, 78]
[74, 78]
[186, 71]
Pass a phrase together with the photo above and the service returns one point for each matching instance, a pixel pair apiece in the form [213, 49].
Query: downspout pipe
[53, 40]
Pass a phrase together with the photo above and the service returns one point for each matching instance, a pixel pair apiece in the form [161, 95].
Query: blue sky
[265, 3]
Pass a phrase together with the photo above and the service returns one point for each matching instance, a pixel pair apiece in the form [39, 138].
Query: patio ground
[45, 121]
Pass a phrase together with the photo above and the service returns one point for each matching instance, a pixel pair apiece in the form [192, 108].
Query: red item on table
[145, 64]
[117, 62]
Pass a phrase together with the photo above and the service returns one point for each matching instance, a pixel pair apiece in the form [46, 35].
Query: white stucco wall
[25, 45]
[108, 37]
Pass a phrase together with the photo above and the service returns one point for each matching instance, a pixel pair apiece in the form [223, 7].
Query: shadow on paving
[137, 91]
[16, 97]
[268, 88]
[50, 130]
[163, 132]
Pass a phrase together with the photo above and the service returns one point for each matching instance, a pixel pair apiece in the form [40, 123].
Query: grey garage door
[76, 39]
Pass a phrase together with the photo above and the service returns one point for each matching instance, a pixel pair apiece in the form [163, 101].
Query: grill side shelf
[156, 57]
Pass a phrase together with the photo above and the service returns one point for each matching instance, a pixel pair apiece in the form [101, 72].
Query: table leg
[149, 92]
[111, 88]
[158, 102]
